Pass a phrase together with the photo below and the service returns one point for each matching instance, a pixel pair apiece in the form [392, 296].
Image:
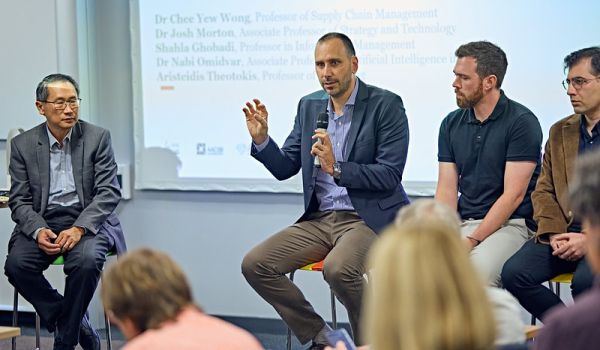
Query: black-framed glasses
[577, 82]
[61, 105]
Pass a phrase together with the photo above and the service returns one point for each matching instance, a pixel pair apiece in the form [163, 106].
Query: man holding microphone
[355, 192]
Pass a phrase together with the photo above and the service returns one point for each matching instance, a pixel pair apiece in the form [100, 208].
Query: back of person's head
[426, 295]
[585, 188]
[585, 203]
[429, 210]
[146, 287]
[491, 60]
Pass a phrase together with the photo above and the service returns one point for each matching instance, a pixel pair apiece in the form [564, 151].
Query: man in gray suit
[62, 198]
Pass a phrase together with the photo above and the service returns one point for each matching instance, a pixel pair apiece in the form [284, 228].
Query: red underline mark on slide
[167, 87]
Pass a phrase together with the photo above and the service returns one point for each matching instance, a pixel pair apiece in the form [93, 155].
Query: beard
[343, 82]
[464, 101]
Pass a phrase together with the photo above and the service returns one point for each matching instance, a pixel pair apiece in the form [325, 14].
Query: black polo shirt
[481, 150]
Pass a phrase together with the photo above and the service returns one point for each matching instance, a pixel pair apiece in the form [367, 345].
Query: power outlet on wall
[124, 178]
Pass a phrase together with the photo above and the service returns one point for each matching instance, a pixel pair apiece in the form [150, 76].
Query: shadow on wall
[159, 164]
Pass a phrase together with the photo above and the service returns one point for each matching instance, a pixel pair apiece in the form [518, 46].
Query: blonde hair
[147, 287]
[426, 295]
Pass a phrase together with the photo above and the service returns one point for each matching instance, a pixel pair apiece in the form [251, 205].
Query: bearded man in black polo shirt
[489, 152]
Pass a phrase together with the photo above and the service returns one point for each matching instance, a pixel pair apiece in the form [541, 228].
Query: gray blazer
[94, 172]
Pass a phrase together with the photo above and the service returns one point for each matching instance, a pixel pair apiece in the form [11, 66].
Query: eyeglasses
[577, 82]
[61, 105]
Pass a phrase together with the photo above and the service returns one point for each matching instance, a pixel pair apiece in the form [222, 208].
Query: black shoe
[315, 346]
[88, 336]
[58, 345]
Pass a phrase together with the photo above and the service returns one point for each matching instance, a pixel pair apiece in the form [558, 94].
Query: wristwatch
[337, 171]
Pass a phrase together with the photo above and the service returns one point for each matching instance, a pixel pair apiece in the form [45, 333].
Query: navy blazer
[94, 172]
[376, 154]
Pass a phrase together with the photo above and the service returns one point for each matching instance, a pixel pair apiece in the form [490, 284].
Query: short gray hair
[428, 210]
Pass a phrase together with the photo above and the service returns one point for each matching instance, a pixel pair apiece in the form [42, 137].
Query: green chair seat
[60, 260]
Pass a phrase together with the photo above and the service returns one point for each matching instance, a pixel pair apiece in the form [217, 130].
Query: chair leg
[289, 331]
[37, 331]
[106, 321]
[333, 313]
[106, 324]
[557, 289]
[108, 335]
[15, 317]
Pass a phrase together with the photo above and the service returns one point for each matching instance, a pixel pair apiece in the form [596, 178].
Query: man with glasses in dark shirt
[62, 197]
[559, 245]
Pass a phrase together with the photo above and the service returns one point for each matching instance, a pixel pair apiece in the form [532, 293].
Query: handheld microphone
[322, 123]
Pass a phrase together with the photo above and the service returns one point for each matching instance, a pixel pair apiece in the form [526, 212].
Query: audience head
[425, 210]
[585, 202]
[143, 289]
[426, 294]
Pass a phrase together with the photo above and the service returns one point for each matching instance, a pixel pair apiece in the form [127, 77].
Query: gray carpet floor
[27, 341]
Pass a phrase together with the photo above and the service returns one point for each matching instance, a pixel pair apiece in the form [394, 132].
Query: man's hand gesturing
[257, 121]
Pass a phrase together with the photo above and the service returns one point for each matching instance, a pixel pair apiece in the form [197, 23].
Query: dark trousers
[534, 264]
[340, 236]
[24, 268]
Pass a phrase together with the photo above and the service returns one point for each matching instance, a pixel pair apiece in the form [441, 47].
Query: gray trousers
[341, 238]
[489, 256]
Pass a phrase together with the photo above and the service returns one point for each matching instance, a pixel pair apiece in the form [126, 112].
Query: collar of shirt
[348, 104]
[53, 139]
[496, 113]
[584, 132]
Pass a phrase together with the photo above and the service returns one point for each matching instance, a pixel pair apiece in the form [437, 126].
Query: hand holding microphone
[322, 123]
[322, 148]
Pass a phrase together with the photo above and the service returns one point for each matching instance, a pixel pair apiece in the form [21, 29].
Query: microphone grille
[322, 120]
